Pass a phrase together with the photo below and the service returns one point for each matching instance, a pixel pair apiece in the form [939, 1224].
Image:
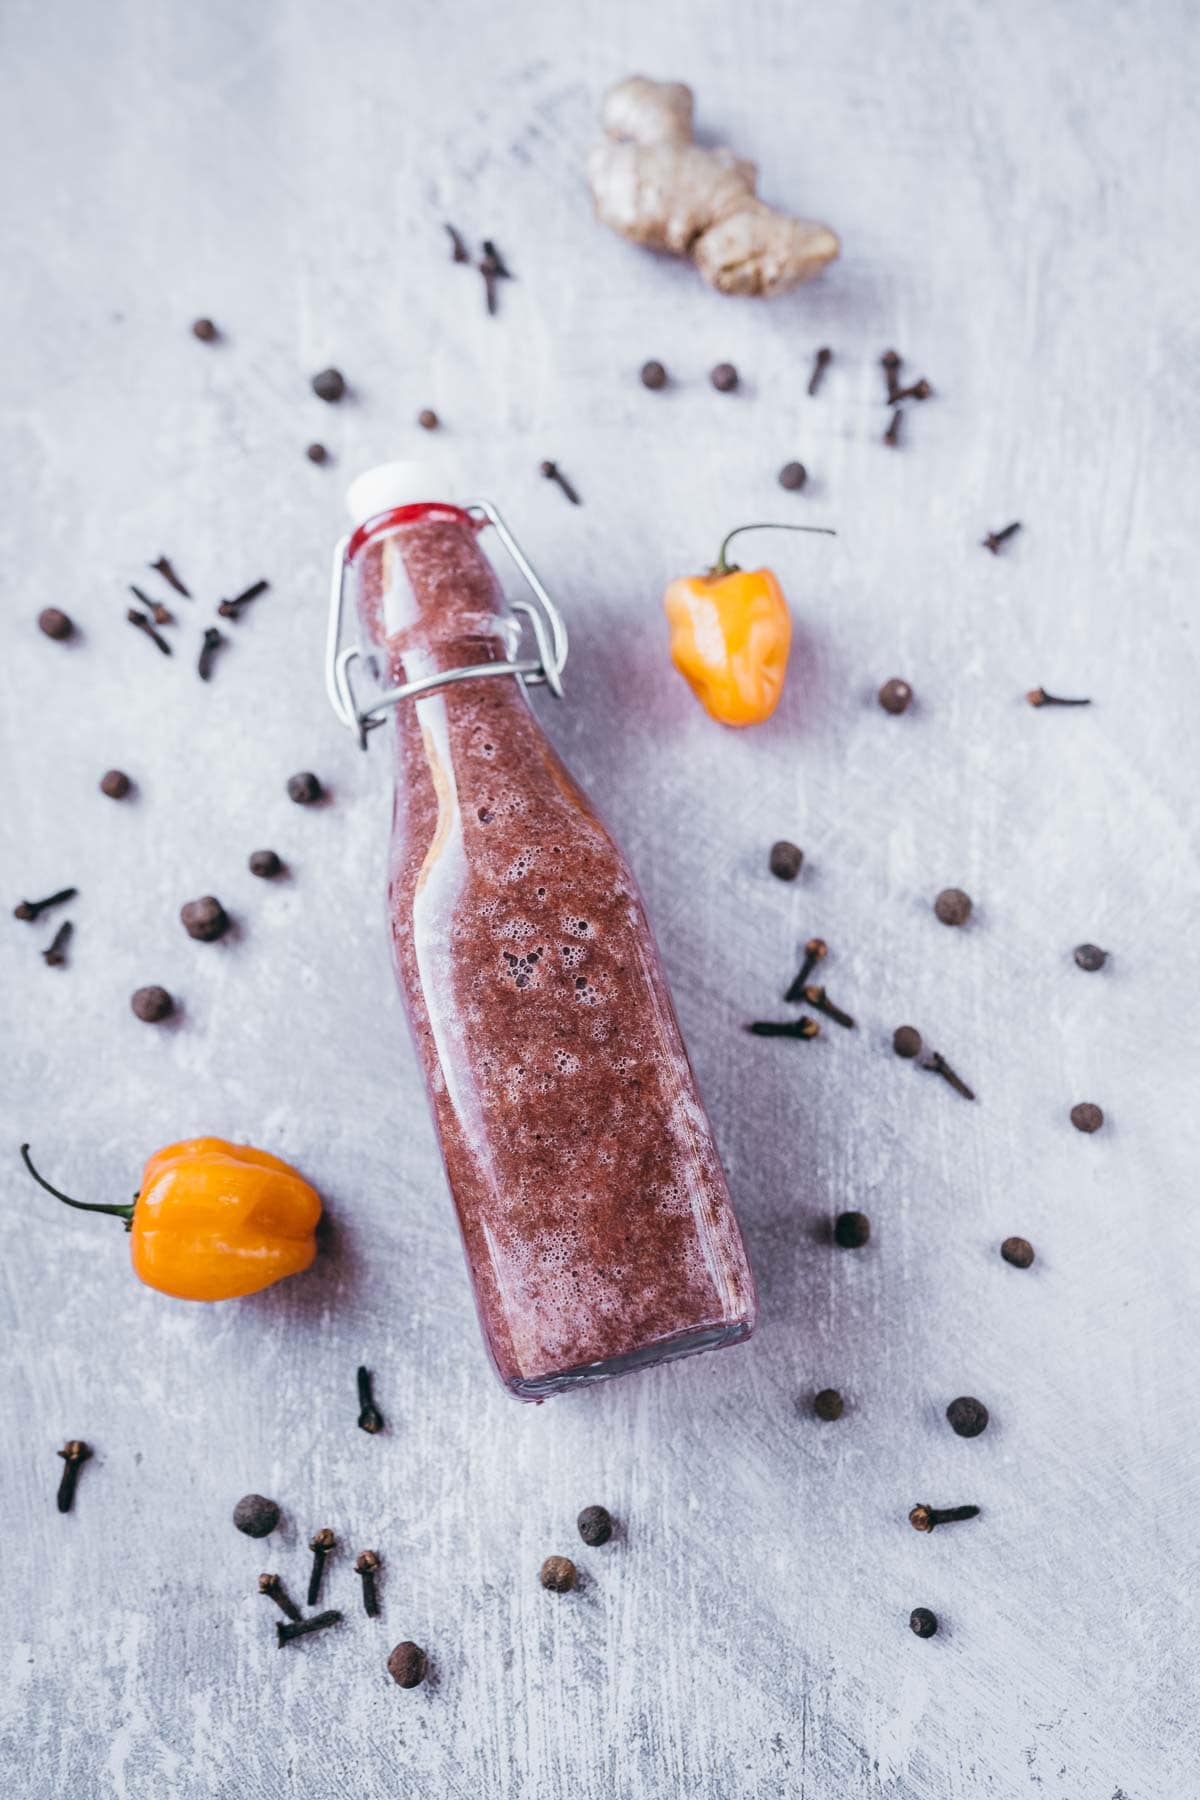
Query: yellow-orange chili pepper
[214, 1220]
[730, 635]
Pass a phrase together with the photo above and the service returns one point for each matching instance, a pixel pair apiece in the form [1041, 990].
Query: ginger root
[653, 184]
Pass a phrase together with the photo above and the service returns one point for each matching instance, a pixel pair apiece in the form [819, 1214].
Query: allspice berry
[851, 1230]
[255, 1515]
[205, 919]
[906, 1041]
[1018, 1251]
[786, 860]
[967, 1416]
[895, 696]
[317, 453]
[265, 864]
[407, 1665]
[558, 1574]
[595, 1525]
[922, 1622]
[828, 1404]
[152, 1004]
[724, 378]
[1090, 957]
[55, 623]
[653, 376]
[952, 906]
[1086, 1117]
[304, 788]
[329, 384]
[427, 419]
[793, 476]
[205, 330]
[116, 784]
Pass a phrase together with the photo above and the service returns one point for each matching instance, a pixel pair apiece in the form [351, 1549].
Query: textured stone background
[1015, 187]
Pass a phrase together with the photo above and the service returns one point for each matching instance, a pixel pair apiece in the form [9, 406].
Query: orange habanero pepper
[214, 1220]
[731, 633]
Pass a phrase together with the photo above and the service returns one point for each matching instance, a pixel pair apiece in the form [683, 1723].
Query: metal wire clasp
[547, 623]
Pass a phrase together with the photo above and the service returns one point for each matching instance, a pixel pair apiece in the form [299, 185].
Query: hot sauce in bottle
[595, 1217]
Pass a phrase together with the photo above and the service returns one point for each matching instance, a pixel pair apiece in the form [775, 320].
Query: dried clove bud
[208, 650]
[55, 953]
[33, 909]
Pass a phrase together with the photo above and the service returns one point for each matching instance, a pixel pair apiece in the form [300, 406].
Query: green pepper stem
[120, 1212]
[721, 567]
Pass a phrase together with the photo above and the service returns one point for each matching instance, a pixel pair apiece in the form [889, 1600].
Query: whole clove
[891, 436]
[321, 1543]
[33, 909]
[493, 268]
[814, 952]
[370, 1419]
[994, 539]
[937, 1065]
[784, 1028]
[163, 568]
[458, 250]
[287, 1634]
[367, 1565]
[232, 609]
[920, 390]
[817, 997]
[552, 472]
[821, 362]
[928, 1518]
[890, 363]
[272, 1587]
[74, 1454]
[208, 651]
[1039, 697]
[55, 953]
[162, 615]
[142, 623]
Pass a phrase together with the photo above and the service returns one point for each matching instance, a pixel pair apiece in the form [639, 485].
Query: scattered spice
[890, 362]
[407, 1664]
[204, 919]
[922, 1622]
[115, 783]
[367, 1565]
[595, 1525]
[828, 1405]
[1018, 1251]
[55, 953]
[151, 1004]
[937, 1065]
[74, 1454]
[162, 615]
[33, 909]
[458, 250]
[821, 362]
[967, 1416]
[232, 609]
[255, 1515]
[1086, 1117]
[304, 788]
[724, 378]
[1090, 957]
[653, 376]
[163, 568]
[891, 436]
[994, 539]
[920, 390]
[952, 906]
[558, 1574]
[55, 623]
[286, 1634]
[818, 998]
[851, 1230]
[321, 1543]
[814, 952]
[265, 863]
[427, 419]
[142, 622]
[370, 1418]
[317, 453]
[552, 472]
[1039, 697]
[208, 650]
[927, 1518]
[272, 1586]
[205, 330]
[895, 696]
[329, 385]
[793, 476]
[784, 1028]
[493, 269]
[786, 860]
[906, 1041]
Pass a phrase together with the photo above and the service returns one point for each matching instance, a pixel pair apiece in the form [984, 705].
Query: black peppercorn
[793, 476]
[895, 696]
[329, 385]
[1090, 957]
[152, 1004]
[427, 419]
[255, 1515]
[786, 860]
[55, 623]
[317, 453]
[653, 376]
[828, 1404]
[205, 919]
[1086, 1117]
[906, 1041]
[851, 1230]
[304, 788]
[265, 863]
[407, 1665]
[922, 1622]
[116, 784]
[205, 330]
[595, 1525]
[967, 1416]
[558, 1574]
[724, 378]
[1018, 1251]
[952, 906]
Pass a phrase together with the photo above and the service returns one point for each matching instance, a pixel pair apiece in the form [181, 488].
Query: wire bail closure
[547, 624]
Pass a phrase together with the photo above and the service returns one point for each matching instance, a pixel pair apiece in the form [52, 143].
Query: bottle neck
[428, 598]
